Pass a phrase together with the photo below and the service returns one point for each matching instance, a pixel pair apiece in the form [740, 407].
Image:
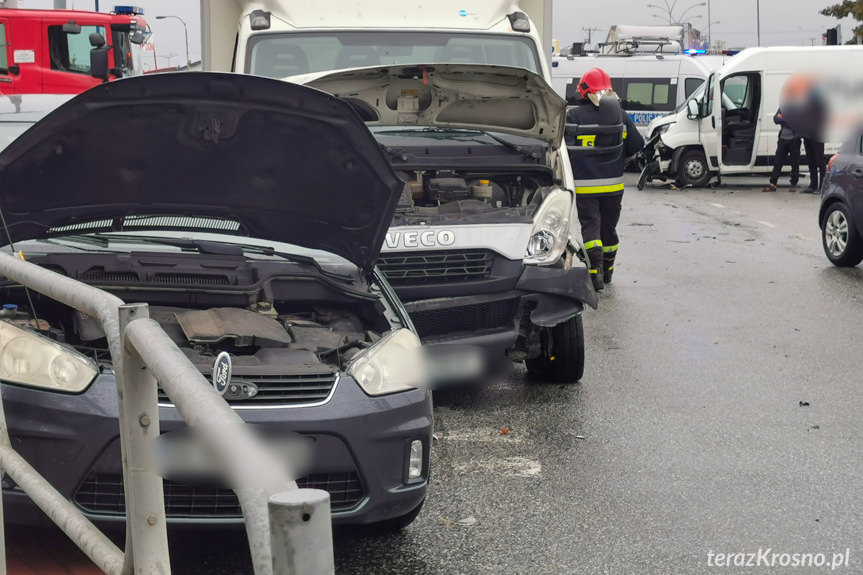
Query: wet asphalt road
[687, 434]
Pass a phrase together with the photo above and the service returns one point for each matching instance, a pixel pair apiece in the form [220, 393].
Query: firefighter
[598, 178]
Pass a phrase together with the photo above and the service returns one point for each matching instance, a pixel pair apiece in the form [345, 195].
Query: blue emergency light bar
[128, 11]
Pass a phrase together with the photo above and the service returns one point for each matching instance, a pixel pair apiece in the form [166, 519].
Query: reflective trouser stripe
[599, 189]
[607, 249]
[593, 244]
[609, 268]
[593, 271]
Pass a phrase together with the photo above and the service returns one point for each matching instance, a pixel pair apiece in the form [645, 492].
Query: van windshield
[277, 55]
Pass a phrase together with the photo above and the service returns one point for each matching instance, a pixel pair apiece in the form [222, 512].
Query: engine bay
[450, 195]
[274, 319]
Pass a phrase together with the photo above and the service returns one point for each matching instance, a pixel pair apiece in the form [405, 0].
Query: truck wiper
[526, 152]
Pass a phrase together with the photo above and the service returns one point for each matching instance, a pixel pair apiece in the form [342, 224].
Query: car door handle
[6, 80]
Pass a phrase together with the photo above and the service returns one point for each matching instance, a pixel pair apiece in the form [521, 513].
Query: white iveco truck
[483, 249]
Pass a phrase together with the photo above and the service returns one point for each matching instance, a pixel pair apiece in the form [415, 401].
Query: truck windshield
[279, 55]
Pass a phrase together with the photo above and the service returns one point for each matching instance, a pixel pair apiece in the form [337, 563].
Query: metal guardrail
[289, 529]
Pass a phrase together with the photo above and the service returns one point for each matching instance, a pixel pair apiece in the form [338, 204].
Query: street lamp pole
[709, 37]
[758, 19]
[186, 31]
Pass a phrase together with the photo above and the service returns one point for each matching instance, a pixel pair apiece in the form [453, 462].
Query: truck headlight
[394, 363]
[550, 229]
[33, 360]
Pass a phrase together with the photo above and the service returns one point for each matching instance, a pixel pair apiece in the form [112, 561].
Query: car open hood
[482, 97]
[242, 154]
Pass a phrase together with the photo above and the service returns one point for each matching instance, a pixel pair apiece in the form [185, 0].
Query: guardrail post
[147, 534]
[301, 532]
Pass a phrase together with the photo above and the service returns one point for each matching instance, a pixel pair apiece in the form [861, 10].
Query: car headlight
[33, 360]
[660, 130]
[550, 229]
[394, 363]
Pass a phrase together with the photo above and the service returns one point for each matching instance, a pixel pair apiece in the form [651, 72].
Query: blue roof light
[128, 10]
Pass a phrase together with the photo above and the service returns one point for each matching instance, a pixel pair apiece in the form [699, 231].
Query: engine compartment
[276, 320]
[471, 195]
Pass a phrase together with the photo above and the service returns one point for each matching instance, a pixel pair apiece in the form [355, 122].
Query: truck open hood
[206, 152]
[481, 97]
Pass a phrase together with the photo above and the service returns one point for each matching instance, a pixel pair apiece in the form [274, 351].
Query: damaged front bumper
[506, 324]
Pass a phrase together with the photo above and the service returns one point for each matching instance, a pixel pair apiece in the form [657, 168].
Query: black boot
[606, 274]
[607, 269]
[596, 276]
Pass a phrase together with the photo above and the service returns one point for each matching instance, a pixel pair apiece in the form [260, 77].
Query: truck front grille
[436, 267]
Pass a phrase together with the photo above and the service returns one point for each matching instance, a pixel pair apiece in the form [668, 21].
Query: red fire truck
[68, 51]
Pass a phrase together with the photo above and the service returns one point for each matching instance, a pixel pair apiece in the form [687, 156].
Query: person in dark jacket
[791, 119]
[813, 137]
[787, 148]
[599, 176]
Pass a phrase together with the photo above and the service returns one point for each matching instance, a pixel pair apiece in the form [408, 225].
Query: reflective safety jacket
[594, 174]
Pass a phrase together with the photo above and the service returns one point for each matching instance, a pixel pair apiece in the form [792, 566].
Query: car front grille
[102, 493]
[436, 267]
[467, 318]
[280, 389]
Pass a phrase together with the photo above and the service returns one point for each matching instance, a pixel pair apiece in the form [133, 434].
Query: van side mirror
[98, 57]
[693, 112]
[71, 27]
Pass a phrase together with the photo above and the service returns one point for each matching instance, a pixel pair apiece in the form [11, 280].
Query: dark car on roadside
[248, 213]
[841, 213]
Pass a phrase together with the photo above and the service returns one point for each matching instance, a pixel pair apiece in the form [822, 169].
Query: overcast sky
[783, 22]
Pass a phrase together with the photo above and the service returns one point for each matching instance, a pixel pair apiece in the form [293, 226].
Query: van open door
[739, 121]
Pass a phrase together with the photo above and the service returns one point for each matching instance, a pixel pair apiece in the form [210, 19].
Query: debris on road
[469, 521]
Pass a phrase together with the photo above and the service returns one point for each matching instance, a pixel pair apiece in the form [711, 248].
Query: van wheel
[693, 169]
[562, 360]
[840, 238]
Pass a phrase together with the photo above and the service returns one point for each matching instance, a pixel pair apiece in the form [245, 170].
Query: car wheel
[563, 360]
[840, 238]
[396, 524]
[693, 169]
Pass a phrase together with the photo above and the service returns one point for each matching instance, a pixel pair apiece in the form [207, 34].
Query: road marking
[483, 435]
[513, 466]
[717, 205]
[768, 224]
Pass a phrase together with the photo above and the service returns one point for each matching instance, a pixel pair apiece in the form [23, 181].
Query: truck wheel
[840, 238]
[693, 169]
[563, 360]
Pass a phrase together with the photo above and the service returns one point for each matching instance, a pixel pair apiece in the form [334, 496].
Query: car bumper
[361, 452]
[494, 322]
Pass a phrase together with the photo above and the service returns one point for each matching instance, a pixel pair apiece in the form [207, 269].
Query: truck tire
[693, 170]
[563, 362]
[840, 237]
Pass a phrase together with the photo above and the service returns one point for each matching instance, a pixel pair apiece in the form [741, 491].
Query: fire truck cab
[68, 51]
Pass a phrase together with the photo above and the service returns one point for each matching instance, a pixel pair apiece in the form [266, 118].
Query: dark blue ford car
[248, 213]
[841, 214]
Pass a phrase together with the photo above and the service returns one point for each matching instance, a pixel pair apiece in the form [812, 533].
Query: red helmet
[593, 81]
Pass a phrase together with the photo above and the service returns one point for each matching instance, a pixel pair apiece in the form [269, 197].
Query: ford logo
[222, 372]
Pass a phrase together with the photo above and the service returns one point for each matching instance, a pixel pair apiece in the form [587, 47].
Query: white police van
[650, 85]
